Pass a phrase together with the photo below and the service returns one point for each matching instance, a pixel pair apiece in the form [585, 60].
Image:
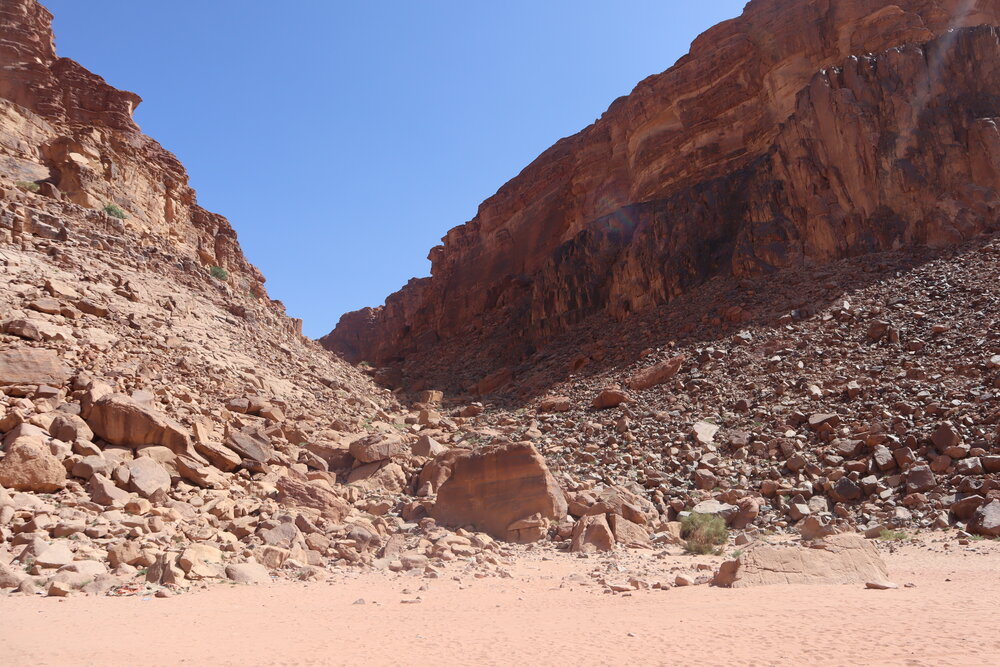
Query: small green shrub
[28, 186]
[219, 273]
[114, 211]
[704, 533]
[893, 536]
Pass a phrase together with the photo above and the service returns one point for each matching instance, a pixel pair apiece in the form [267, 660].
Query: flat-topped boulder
[24, 365]
[837, 559]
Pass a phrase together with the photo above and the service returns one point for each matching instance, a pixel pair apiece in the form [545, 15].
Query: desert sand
[545, 614]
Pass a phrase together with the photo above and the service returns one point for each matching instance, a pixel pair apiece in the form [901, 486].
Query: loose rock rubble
[165, 425]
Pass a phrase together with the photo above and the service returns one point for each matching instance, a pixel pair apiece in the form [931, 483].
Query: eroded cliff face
[799, 132]
[60, 124]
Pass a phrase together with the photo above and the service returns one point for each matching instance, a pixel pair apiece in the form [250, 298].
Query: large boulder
[379, 447]
[296, 491]
[610, 397]
[657, 374]
[592, 533]
[248, 573]
[148, 478]
[121, 420]
[838, 559]
[32, 366]
[627, 533]
[986, 520]
[381, 476]
[29, 466]
[69, 428]
[251, 445]
[495, 487]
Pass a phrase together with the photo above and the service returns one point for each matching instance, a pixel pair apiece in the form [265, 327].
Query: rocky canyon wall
[799, 132]
[64, 126]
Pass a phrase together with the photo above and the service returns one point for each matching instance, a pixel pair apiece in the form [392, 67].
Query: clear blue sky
[343, 139]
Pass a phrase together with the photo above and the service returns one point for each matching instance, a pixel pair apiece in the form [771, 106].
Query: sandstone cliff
[64, 126]
[800, 132]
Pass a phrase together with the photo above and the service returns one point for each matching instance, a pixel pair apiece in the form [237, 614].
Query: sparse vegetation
[219, 273]
[894, 536]
[704, 533]
[114, 211]
[28, 186]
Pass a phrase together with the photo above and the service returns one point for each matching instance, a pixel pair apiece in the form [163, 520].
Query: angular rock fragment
[121, 420]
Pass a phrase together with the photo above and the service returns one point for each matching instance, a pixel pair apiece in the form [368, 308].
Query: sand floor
[537, 617]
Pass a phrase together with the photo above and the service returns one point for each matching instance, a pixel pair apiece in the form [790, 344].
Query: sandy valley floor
[548, 613]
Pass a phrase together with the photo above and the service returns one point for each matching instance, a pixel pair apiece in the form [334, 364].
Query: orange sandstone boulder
[497, 487]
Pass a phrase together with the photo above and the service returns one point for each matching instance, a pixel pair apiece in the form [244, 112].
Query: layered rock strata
[67, 129]
[797, 133]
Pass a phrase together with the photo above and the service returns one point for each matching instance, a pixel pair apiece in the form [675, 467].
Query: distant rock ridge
[67, 127]
[779, 140]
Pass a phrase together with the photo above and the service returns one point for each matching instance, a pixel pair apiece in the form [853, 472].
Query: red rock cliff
[63, 125]
[780, 139]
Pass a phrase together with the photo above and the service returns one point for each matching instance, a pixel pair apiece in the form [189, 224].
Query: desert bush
[704, 533]
[219, 273]
[28, 186]
[114, 211]
[893, 536]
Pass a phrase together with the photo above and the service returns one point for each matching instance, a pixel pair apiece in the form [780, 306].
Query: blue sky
[342, 140]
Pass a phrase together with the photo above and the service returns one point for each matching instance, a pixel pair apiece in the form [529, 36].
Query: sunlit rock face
[798, 132]
[64, 125]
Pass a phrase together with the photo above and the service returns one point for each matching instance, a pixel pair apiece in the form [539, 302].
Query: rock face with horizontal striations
[32, 366]
[301, 493]
[496, 487]
[800, 132]
[842, 559]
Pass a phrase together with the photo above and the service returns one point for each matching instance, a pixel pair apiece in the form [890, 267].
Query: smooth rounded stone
[248, 573]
